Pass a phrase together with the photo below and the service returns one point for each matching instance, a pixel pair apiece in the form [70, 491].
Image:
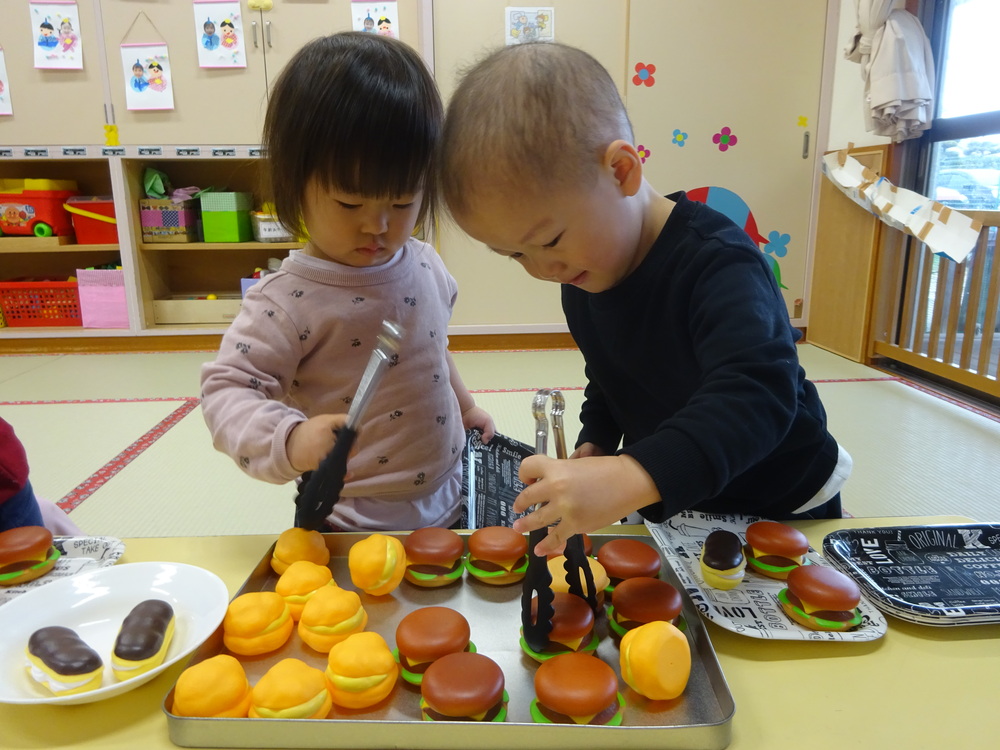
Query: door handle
[805, 145]
[253, 27]
[267, 32]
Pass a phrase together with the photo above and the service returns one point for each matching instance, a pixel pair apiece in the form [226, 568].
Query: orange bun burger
[497, 555]
[256, 622]
[26, 553]
[577, 689]
[361, 670]
[330, 616]
[463, 687]
[821, 598]
[298, 544]
[216, 687]
[377, 564]
[774, 549]
[300, 581]
[291, 689]
[433, 557]
[427, 634]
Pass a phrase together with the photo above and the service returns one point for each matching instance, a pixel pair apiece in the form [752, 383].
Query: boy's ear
[622, 158]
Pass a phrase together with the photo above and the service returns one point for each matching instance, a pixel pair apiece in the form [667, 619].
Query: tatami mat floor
[119, 442]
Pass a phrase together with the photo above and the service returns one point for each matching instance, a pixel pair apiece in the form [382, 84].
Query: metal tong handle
[538, 579]
[320, 490]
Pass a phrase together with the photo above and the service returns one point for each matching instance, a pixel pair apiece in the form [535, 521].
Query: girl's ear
[622, 158]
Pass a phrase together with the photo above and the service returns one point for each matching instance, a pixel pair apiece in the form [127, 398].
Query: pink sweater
[299, 347]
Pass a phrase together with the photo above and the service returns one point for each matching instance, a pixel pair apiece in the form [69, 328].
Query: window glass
[965, 174]
[969, 84]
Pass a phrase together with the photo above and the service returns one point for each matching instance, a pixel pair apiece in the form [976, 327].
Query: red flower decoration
[644, 74]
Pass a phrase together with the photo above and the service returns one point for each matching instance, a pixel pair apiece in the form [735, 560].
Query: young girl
[351, 135]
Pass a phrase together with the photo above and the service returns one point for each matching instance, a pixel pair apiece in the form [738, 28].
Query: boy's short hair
[359, 113]
[539, 114]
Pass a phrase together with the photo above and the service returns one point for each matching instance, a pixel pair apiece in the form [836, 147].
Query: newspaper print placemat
[752, 608]
[79, 554]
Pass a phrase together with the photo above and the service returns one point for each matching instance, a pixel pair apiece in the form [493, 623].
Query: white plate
[752, 608]
[78, 554]
[94, 605]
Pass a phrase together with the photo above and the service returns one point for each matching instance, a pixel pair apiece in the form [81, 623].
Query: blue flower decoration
[679, 138]
[777, 243]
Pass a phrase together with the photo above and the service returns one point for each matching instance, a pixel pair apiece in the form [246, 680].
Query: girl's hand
[479, 418]
[309, 442]
[579, 495]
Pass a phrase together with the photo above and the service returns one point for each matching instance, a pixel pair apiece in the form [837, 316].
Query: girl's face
[356, 230]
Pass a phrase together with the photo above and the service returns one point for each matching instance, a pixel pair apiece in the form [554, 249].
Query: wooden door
[724, 96]
[51, 107]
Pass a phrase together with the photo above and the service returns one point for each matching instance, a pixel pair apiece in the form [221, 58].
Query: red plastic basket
[40, 303]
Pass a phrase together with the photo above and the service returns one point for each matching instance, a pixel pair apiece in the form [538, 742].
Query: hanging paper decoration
[220, 34]
[146, 68]
[375, 18]
[530, 23]
[5, 105]
[55, 30]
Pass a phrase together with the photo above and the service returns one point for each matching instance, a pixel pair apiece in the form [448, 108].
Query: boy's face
[588, 237]
[356, 230]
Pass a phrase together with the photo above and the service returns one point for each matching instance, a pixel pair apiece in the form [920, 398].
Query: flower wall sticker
[644, 153]
[679, 138]
[725, 139]
[644, 74]
[777, 243]
[803, 122]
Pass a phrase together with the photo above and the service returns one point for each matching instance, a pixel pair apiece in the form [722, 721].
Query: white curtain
[898, 69]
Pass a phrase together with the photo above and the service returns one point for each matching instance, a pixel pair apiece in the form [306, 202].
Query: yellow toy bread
[300, 581]
[559, 583]
[377, 564]
[256, 622]
[361, 670]
[291, 689]
[60, 660]
[330, 616]
[298, 544]
[143, 639]
[655, 660]
[214, 688]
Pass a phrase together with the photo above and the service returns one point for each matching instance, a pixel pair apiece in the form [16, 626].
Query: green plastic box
[225, 217]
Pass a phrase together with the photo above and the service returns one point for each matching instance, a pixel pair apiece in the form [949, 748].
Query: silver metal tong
[320, 490]
[538, 580]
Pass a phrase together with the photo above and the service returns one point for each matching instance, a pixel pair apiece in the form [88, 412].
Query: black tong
[538, 580]
[320, 490]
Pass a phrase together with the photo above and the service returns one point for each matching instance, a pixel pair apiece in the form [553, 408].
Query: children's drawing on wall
[5, 105]
[375, 18]
[774, 246]
[55, 33]
[218, 27]
[529, 24]
[146, 68]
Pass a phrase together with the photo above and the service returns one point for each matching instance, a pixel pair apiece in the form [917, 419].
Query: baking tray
[752, 608]
[699, 720]
[932, 575]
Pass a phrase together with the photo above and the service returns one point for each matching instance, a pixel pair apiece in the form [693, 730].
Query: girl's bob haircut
[355, 112]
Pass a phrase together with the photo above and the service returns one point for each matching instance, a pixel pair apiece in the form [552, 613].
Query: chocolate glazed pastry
[143, 630]
[63, 651]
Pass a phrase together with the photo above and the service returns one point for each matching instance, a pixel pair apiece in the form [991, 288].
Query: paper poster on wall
[148, 84]
[529, 23]
[375, 18]
[5, 105]
[219, 31]
[55, 30]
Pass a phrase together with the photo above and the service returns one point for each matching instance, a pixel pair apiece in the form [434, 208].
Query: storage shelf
[169, 246]
[48, 245]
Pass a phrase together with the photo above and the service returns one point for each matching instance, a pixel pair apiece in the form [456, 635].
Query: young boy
[690, 356]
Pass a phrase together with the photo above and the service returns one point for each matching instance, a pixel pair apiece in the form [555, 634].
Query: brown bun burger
[577, 689]
[26, 553]
[628, 558]
[463, 687]
[774, 549]
[497, 555]
[636, 601]
[433, 557]
[427, 634]
[821, 598]
[572, 627]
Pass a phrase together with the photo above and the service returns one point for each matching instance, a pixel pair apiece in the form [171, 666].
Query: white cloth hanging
[898, 69]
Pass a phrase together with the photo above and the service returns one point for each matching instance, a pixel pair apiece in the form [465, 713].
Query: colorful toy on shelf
[35, 207]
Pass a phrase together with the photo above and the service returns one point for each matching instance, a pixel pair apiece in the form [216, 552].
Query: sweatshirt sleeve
[244, 390]
[13, 463]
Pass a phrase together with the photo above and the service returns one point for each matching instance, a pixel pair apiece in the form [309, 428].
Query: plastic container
[225, 217]
[163, 220]
[40, 303]
[35, 207]
[267, 228]
[93, 219]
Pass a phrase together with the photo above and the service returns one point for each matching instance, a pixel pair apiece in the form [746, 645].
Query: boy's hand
[579, 495]
[309, 442]
[480, 419]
